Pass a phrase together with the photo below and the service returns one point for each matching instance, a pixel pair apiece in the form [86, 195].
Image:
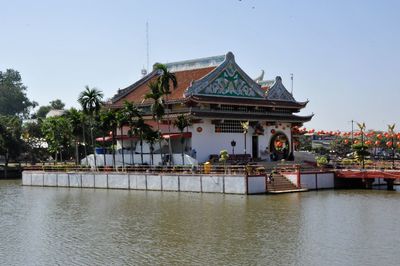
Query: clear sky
[344, 54]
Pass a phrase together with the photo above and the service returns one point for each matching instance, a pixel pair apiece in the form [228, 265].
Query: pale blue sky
[344, 54]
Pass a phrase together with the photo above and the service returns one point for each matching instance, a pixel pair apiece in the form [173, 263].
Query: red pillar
[298, 176]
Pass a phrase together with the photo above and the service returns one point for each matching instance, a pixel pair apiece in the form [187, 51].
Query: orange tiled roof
[136, 94]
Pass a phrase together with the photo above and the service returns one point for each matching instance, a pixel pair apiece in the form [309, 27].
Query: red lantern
[379, 136]
[346, 141]
[368, 142]
[389, 144]
[356, 141]
[377, 143]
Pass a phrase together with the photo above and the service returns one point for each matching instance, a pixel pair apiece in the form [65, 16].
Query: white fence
[135, 159]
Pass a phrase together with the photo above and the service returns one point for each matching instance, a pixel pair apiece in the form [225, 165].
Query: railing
[369, 165]
[201, 169]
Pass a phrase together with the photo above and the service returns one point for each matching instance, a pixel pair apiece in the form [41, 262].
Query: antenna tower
[291, 77]
[147, 44]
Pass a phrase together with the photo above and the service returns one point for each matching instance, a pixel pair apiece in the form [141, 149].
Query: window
[229, 126]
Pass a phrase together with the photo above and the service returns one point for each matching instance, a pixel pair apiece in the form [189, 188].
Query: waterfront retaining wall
[313, 180]
[169, 182]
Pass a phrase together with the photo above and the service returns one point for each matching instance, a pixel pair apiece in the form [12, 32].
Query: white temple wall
[208, 142]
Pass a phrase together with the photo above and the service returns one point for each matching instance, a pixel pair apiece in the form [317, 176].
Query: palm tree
[122, 119]
[391, 132]
[140, 130]
[157, 107]
[75, 119]
[181, 123]
[245, 127]
[132, 115]
[113, 126]
[165, 79]
[151, 136]
[106, 118]
[90, 100]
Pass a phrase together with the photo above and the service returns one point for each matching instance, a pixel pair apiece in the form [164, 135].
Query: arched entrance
[279, 147]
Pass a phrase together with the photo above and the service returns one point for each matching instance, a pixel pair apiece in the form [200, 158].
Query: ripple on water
[54, 226]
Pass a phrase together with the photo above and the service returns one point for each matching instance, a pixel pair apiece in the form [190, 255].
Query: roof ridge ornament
[278, 92]
[230, 56]
[226, 80]
[260, 77]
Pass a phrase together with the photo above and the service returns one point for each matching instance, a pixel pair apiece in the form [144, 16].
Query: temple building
[218, 96]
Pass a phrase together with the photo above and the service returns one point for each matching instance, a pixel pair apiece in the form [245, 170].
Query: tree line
[73, 133]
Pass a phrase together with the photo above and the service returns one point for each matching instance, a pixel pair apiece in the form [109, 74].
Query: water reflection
[47, 226]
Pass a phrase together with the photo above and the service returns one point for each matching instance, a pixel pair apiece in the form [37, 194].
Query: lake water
[61, 226]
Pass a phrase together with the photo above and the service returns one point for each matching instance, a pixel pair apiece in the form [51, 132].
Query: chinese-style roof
[248, 102]
[136, 92]
[287, 117]
[213, 79]
[226, 80]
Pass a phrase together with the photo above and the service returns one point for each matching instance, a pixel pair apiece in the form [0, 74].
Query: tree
[90, 100]
[42, 111]
[361, 149]
[57, 104]
[245, 127]
[121, 119]
[13, 99]
[75, 119]
[33, 137]
[57, 131]
[140, 130]
[45, 109]
[10, 137]
[108, 122]
[181, 123]
[157, 107]
[151, 137]
[133, 114]
[164, 80]
[392, 136]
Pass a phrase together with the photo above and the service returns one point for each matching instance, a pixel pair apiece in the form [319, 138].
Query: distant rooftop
[55, 113]
[212, 61]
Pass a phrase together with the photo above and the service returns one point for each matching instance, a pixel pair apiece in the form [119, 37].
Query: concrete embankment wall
[163, 182]
[314, 180]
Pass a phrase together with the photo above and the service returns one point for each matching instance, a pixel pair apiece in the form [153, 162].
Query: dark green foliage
[13, 99]
[57, 131]
[57, 104]
[34, 141]
[42, 111]
[181, 123]
[90, 100]
[11, 143]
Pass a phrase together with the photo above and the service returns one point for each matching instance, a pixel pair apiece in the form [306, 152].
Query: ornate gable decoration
[278, 92]
[227, 80]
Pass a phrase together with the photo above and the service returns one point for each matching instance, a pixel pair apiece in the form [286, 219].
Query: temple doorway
[279, 147]
[255, 147]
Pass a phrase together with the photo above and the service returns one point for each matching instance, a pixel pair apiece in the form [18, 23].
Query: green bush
[322, 161]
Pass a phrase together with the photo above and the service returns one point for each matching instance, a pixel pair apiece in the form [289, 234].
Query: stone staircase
[281, 184]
